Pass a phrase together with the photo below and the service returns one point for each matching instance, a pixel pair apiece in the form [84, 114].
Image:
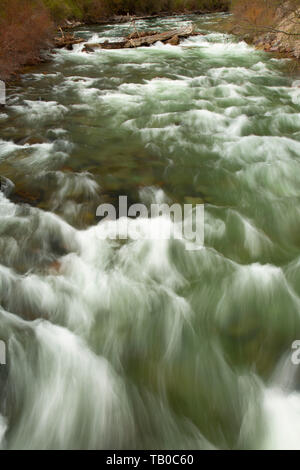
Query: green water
[143, 344]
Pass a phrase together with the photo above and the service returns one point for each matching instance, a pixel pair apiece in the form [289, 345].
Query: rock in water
[6, 186]
[174, 41]
[67, 40]
[88, 49]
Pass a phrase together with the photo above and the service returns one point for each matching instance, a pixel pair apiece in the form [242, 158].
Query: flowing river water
[143, 344]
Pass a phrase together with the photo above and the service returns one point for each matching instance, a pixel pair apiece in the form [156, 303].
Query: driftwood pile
[66, 40]
[145, 38]
[135, 39]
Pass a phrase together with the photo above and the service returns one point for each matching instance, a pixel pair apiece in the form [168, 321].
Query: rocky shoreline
[271, 42]
[274, 42]
[278, 42]
[281, 37]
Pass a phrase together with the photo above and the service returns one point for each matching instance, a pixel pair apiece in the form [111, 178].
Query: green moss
[66, 8]
[79, 9]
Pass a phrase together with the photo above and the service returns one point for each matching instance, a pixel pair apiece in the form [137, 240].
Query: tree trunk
[147, 40]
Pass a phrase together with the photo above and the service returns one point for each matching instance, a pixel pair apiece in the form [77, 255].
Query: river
[142, 344]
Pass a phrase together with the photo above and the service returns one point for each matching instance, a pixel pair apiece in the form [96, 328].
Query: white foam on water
[47, 155]
[71, 185]
[232, 73]
[59, 131]
[263, 67]
[295, 93]
[255, 297]
[204, 121]
[254, 148]
[7, 208]
[77, 81]
[35, 111]
[237, 126]
[224, 90]
[282, 420]
[225, 49]
[96, 39]
[42, 76]
[145, 307]
[253, 239]
[7, 148]
[3, 429]
[66, 367]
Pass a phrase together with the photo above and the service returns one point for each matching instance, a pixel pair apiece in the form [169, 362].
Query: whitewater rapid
[141, 344]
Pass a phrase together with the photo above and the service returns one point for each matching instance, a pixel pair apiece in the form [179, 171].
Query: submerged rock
[174, 41]
[6, 186]
[88, 49]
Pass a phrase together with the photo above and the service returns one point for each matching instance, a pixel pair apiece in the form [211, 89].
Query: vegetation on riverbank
[86, 9]
[273, 25]
[26, 26]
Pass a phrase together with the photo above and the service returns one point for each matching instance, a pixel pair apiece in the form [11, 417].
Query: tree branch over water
[263, 16]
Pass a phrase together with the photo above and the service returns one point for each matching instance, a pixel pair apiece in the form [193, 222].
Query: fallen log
[67, 40]
[71, 24]
[141, 34]
[147, 38]
[104, 45]
[161, 37]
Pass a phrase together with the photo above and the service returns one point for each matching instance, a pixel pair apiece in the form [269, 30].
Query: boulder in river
[87, 48]
[6, 186]
[174, 41]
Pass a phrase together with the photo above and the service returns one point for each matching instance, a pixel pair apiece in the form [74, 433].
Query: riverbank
[272, 26]
[28, 28]
[67, 24]
[270, 29]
